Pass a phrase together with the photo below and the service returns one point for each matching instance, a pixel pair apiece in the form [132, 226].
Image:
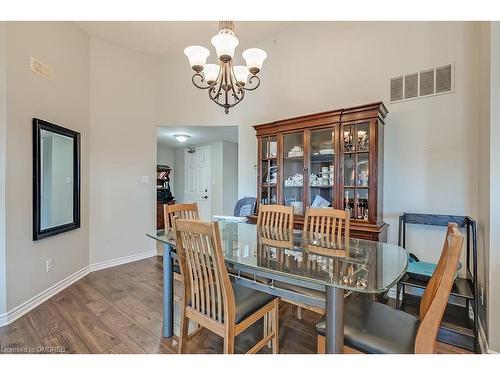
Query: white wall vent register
[41, 69]
[429, 82]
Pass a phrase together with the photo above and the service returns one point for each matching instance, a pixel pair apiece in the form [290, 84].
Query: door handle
[205, 197]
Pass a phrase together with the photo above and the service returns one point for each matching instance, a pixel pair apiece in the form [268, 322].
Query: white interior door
[197, 180]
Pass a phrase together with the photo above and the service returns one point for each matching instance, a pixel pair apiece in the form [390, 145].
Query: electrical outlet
[481, 295]
[49, 264]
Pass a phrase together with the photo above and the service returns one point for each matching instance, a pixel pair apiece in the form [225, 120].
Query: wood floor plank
[119, 310]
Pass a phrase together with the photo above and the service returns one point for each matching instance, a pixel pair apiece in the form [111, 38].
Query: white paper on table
[320, 202]
[236, 219]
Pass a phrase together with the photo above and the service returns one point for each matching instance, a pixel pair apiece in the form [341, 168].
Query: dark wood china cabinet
[332, 159]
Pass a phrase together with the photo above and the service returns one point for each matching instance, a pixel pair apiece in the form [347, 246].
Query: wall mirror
[56, 179]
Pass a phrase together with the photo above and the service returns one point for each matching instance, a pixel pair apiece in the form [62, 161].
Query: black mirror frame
[38, 233]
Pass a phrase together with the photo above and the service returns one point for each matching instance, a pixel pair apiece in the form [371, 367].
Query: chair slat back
[437, 292]
[180, 211]
[274, 215]
[207, 288]
[325, 225]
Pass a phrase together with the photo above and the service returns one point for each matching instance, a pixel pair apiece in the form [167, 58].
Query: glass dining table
[260, 257]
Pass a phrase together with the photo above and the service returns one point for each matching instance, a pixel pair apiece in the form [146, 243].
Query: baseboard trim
[18, 311]
[25, 307]
[119, 261]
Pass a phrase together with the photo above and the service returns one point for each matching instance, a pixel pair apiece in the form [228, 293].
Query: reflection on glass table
[301, 260]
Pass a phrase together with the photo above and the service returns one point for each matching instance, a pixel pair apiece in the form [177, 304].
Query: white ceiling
[164, 38]
[199, 134]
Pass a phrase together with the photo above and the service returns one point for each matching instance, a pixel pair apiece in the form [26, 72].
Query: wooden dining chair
[373, 327]
[324, 227]
[180, 211]
[210, 299]
[274, 215]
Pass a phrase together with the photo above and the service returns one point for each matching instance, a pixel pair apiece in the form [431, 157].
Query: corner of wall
[3, 135]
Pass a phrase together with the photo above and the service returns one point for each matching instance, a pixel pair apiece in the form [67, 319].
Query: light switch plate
[144, 179]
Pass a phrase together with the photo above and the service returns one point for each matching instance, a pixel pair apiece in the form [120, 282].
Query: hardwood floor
[119, 310]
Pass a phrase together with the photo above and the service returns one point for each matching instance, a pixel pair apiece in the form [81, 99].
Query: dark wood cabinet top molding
[358, 113]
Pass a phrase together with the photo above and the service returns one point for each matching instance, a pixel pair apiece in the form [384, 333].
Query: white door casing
[197, 179]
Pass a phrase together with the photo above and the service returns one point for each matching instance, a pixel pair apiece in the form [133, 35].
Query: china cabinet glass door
[356, 151]
[293, 171]
[269, 171]
[321, 168]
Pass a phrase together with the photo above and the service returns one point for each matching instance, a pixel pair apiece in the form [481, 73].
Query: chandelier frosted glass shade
[241, 73]
[211, 73]
[197, 56]
[225, 82]
[254, 57]
[225, 43]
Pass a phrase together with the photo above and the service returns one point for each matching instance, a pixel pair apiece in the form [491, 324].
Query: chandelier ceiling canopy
[225, 82]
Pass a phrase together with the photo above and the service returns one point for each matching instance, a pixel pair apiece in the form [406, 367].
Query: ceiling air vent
[429, 82]
[41, 69]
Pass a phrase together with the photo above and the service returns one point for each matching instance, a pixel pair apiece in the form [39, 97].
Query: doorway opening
[197, 164]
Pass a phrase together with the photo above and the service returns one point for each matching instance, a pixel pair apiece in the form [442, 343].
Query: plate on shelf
[326, 151]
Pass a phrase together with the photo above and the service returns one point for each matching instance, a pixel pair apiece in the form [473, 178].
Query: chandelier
[225, 82]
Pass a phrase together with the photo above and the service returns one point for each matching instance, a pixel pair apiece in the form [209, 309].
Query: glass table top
[357, 265]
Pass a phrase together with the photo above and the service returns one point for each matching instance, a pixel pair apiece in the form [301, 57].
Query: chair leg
[321, 344]
[229, 339]
[183, 336]
[276, 325]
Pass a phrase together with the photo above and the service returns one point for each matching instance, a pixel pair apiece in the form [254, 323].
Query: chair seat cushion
[248, 301]
[301, 290]
[372, 327]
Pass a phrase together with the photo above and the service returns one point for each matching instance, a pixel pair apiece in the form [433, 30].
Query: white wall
[3, 135]
[123, 107]
[165, 156]
[483, 168]
[430, 145]
[63, 101]
[494, 262]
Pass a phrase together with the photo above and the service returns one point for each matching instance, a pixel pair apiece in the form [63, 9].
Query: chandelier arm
[250, 81]
[213, 98]
[212, 94]
[242, 93]
[201, 79]
[220, 80]
[234, 82]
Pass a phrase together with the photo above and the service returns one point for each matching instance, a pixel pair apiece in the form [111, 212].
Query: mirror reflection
[56, 179]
